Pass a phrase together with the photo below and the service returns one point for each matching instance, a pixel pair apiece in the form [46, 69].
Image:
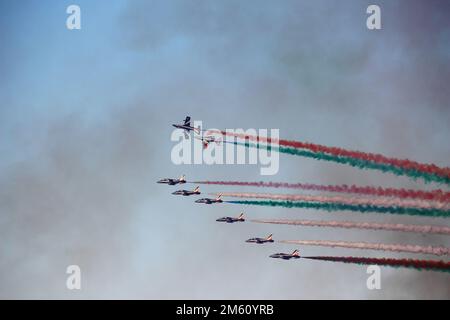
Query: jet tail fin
[269, 237]
[197, 189]
[241, 215]
[296, 253]
[219, 196]
[182, 178]
[187, 121]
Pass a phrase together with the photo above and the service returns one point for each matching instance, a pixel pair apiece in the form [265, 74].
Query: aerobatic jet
[173, 182]
[209, 200]
[187, 192]
[206, 140]
[186, 126]
[231, 219]
[287, 256]
[260, 240]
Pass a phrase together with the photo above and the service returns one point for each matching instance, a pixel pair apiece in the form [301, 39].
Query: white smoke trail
[425, 229]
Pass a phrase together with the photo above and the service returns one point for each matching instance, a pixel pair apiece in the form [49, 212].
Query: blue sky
[85, 132]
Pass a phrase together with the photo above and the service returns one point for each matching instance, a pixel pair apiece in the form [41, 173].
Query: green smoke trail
[329, 206]
[357, 163]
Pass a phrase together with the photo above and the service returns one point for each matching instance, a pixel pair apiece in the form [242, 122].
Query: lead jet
[286, 256]
[260, 240]
[209, 200]
[231, 219]
[187, 192]
[172, 182]
[186, 126]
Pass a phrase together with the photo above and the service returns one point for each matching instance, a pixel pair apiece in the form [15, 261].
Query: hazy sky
[85, 133]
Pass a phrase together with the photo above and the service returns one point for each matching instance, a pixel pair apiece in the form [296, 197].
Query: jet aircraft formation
[187, 128]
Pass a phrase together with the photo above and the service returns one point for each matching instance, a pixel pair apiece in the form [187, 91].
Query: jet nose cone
[248, 240]
[174, 192]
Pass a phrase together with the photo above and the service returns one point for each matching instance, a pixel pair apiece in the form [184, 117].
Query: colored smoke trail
[362, 164]
[357, 163]
[340, 206]
[437, 251]
[433, 195]
[404, 164]
[430, 265]
[382, 202]
[425, 229]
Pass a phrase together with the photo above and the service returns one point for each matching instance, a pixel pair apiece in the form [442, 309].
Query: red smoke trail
[378, 158]
[434, 195]
[438, 251]
[432, 265]
[361, 225]
[384, 202]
